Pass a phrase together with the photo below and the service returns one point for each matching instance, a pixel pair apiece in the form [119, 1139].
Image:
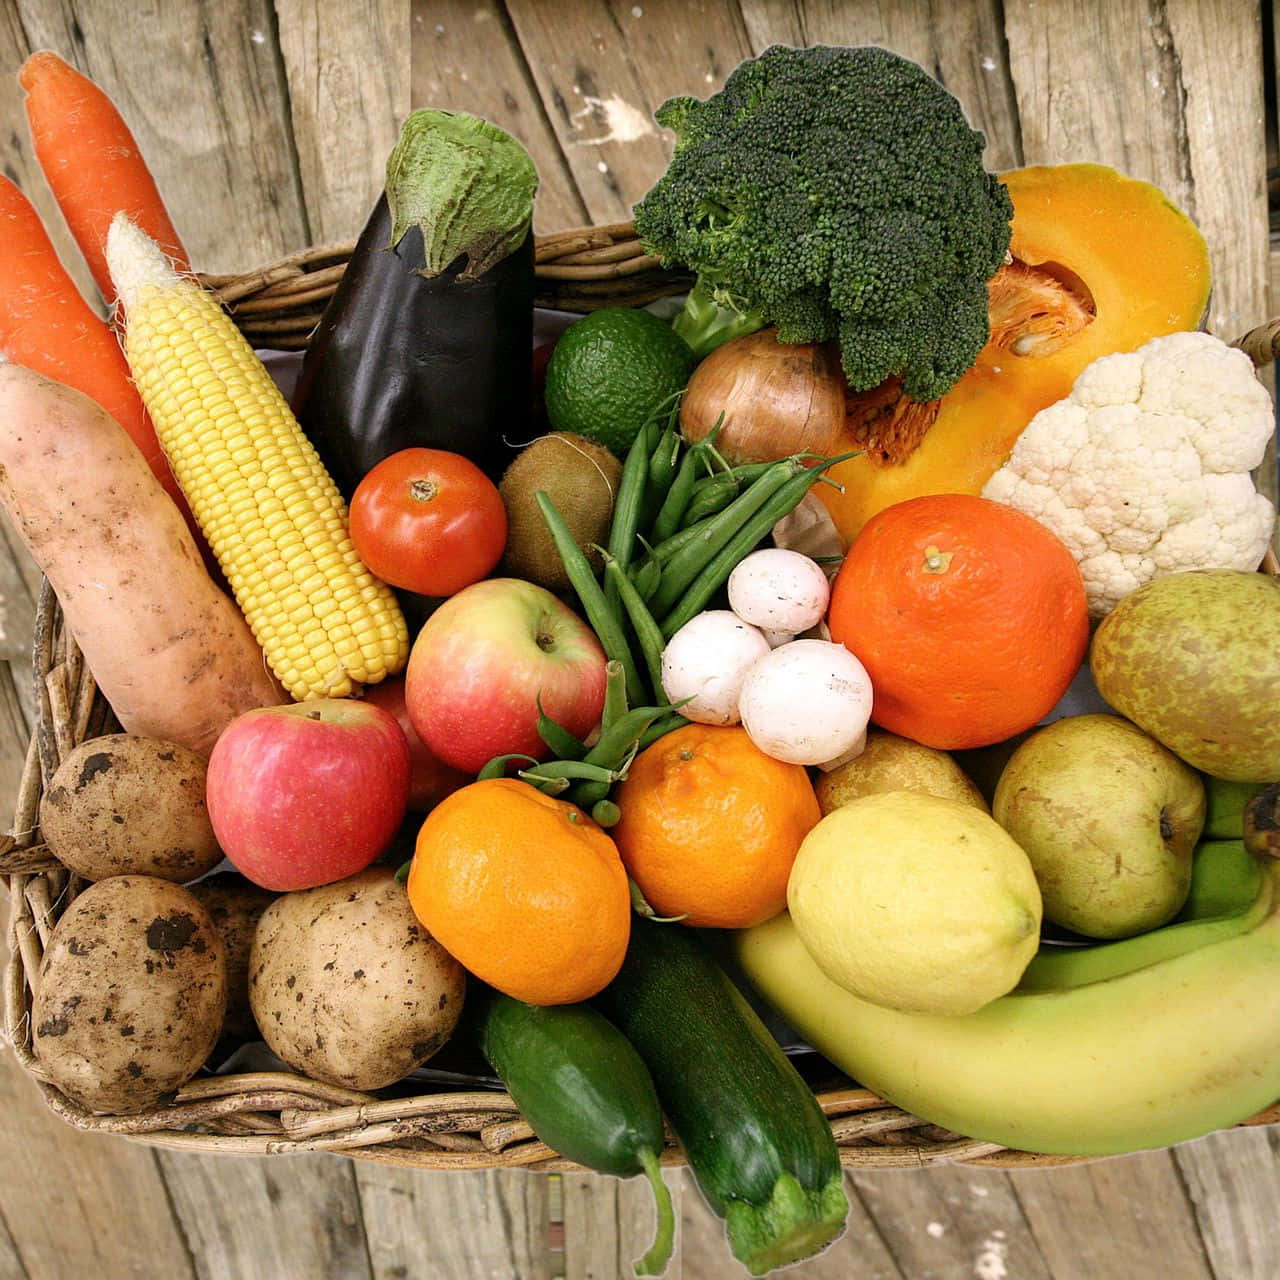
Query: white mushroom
[706, 661]
[779, 590]
[807, 702]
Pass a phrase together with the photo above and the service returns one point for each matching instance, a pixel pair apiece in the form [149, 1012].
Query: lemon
[916, 902]
[610, 371]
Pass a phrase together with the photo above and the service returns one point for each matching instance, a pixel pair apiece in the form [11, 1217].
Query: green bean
[570, 771]
[689, 561]
[660, 728]
[605, 622]
[645, 576]
[563, 744]
[669, 546]
[605, 813]
[621, 736]
[647, 633]
[628, 504]
[586, 795]
[712, 499]
[497, 767]
[667, 521]
[615, 694]
[717, 569]
[662, 465]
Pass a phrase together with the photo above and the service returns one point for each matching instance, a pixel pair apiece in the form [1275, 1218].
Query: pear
[1109, 819]
[891, 763]
[1193, 658]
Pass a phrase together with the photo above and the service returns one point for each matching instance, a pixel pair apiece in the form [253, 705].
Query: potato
[347, 987]
[235, 905]
[131, 995]
[123, 805]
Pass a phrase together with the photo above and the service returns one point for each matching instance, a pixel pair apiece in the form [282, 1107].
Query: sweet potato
[169, 651]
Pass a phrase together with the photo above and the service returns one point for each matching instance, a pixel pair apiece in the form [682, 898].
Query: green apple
[1109, 819]
[891, 763]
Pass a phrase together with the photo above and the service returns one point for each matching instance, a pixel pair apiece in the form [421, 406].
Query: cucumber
[585, 1092]
[756, 1139]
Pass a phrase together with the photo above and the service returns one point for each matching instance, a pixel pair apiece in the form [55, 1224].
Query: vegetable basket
[274, 1112]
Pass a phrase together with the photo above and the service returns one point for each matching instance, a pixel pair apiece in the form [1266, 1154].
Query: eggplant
[428, 339]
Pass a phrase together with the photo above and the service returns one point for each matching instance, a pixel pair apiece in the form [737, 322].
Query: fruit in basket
[1192, 659]
[581, 478]
[613, 370]
[1144, 469]
[428, 521]
[1109, 819]
[346, 985]
[130, 995]
[235, 905]
[837, 193]
[916, 902]
[710, 826]
[303, 795]
[122, 804]
[891, 763]
[523, 889]
[430, 779]
[969, 617]
[485, 658]
[1225, 804]
[428, 338]
[1117, 1047]
[1101, 263]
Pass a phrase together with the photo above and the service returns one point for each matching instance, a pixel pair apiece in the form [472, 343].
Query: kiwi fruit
[581, 478]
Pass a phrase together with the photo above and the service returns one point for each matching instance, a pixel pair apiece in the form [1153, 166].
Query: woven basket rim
[268, 1113]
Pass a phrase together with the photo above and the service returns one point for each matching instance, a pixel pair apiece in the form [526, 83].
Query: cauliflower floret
[1144, 468]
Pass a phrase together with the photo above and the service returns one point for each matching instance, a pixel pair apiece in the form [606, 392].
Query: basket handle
[1261, 344]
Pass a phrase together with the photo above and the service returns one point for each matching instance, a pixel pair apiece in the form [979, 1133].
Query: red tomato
[428, 521]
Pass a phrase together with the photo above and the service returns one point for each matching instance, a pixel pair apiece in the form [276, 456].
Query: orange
[523, 890]
[969, 616]
[711, 825]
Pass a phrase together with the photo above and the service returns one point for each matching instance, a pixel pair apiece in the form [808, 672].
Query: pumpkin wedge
[1100, 263]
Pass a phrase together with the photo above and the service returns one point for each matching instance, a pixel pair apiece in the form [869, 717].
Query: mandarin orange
[969, 616]
[710, 826]
[523, 890]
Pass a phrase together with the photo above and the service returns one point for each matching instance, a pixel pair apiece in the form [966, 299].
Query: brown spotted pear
[1194, 659]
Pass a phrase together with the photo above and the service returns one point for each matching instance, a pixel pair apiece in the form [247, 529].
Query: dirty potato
[128, 805]
[347, 987]
[235, 905]
[131, 994]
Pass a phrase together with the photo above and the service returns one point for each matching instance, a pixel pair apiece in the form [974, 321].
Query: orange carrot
[47, 326]
[91, 162]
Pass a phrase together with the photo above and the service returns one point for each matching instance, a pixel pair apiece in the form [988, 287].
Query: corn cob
[264, 502]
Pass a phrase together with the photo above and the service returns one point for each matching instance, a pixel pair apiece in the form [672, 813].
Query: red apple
[479, 664]
[309, 793]
[430, 779]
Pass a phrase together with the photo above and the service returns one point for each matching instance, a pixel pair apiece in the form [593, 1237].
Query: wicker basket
[276, 1112]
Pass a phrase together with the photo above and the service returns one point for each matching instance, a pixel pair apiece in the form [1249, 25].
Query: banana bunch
[1100, 1050]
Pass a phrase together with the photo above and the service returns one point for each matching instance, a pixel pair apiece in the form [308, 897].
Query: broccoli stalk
[707, 323]
[838, 193]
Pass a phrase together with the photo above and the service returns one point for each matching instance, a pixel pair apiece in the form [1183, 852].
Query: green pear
[1109, 819]
[1194, 659]
[891, 763]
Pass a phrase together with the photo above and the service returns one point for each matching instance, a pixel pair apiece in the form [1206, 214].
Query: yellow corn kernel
[270, 512]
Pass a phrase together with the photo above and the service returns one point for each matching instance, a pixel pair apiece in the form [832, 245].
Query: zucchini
[756, 1139]
[585, 1092]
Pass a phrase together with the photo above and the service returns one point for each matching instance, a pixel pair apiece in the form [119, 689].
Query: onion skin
[778, 399]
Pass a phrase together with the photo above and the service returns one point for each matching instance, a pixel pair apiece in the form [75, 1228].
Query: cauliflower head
[1144, 468]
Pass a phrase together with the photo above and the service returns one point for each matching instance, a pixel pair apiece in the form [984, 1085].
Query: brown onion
[778, 398]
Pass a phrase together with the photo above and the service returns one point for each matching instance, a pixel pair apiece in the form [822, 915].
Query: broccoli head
[838, 193]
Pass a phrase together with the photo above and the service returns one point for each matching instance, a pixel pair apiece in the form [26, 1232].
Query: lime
[916, 902]
[610, 371]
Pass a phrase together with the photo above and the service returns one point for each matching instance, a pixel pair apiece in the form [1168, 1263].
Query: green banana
[1225, 900]
[1173, 1047]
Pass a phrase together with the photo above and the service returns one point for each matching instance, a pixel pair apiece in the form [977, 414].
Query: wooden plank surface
[237, 107]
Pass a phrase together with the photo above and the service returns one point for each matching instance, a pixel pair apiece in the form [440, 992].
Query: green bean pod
[647, 632]
[629, 503]
[561, 743]
[603, 619]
